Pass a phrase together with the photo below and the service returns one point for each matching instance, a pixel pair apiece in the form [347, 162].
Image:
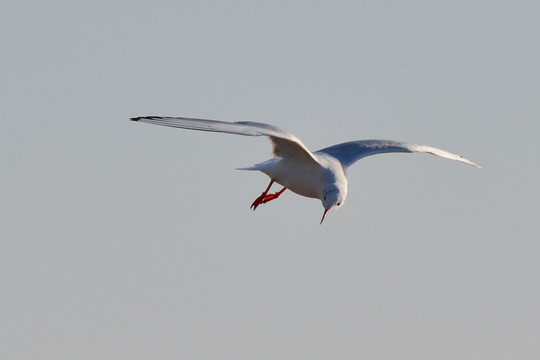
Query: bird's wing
[284, 144]
[350, 152]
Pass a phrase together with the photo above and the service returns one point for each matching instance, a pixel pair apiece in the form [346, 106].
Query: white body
[316, 175]
[307, 180]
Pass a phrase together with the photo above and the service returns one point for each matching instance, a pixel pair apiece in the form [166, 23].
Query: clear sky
[133, 241]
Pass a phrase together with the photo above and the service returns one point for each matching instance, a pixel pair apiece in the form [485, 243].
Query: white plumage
[320, 174]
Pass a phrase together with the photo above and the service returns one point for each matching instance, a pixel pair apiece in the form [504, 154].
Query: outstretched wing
[350, 152]
[284, 144]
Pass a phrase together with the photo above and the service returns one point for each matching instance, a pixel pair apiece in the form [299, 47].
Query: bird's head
[332, 197]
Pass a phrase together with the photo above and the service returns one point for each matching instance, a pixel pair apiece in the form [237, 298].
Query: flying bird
[319, 174]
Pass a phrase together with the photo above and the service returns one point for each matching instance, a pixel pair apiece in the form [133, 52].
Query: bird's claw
[258, 201]
[264, 198]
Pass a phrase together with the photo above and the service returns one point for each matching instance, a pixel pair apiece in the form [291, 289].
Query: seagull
[320, 174]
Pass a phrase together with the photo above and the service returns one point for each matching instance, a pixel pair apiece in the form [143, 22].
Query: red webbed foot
[265, 197]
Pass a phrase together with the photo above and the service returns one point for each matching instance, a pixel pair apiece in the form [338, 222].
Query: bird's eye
[338, 203]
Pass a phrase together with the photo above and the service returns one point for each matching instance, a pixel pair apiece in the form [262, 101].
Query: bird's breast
[303, 179]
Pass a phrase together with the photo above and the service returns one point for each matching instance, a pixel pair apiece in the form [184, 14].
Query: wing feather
[350, 152]
[284, 144]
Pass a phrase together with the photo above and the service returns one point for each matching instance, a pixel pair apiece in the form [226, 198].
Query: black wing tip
[146, 117]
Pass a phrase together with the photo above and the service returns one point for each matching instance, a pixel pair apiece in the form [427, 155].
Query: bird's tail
[264, 166]
[254, 167]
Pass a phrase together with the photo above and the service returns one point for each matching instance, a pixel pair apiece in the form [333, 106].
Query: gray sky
[127, 240]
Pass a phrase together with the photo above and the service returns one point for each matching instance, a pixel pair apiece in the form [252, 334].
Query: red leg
[266, 197]
[269, 197]
[261, 198]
